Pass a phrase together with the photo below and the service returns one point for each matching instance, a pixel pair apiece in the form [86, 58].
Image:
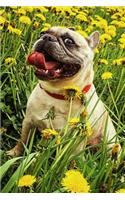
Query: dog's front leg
[18, 149]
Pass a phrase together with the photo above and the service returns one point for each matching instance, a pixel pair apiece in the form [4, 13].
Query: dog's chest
[40, 103]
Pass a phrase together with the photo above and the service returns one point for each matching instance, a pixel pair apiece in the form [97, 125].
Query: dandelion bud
[58, 141]
[116, 150]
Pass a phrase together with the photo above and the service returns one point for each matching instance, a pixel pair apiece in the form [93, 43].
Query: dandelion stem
[69, 115]
[51, 124]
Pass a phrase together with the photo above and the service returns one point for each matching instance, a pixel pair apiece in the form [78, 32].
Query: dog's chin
[59, 70]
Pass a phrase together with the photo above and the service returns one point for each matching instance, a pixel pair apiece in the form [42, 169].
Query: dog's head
[63, 53]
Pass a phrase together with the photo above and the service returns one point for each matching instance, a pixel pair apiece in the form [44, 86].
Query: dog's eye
[69, 41]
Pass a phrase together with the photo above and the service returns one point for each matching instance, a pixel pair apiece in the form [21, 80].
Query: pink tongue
[50, 65]
[38, 59]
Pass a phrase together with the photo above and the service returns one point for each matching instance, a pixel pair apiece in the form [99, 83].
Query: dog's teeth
[58, 70]
[46, 71]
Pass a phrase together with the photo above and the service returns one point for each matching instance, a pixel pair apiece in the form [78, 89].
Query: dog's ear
[93, 39]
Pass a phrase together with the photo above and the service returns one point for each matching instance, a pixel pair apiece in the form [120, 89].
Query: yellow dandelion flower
[122, 190]
[104, 61]
[41, 16]
[26, 180]
[122, 46]
[2, 11]
[106, 75]
[10, 60]
[89, 130]
[105, 37]
[82, 17]
[119, 61]
[89, 29]
[78, 27]
[100, 22]
[14, 7]
[121, 24]
[1, 27]
[2, 20]
[14, 30]
[74, 121]
[42, 9]
[72, 91]
[20, 11]
[83, 33]
[114, 16]
[123, 19]
[75, 182]
[46, 26]
[36, 24]
[122, 40]
[10, 28]
[96, 50]
[17, 31]
[111, 30]
[123, 35]
[116, 62]
[28, 8]
[25, 20]
[47, 133]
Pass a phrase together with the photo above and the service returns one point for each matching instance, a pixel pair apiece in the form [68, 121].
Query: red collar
[61, 97]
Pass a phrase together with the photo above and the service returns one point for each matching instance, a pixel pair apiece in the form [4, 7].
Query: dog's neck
[82, 79]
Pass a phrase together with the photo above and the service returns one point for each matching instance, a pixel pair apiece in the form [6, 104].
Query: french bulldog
[63, 58]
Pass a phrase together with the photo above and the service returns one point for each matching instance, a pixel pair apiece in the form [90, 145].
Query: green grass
[45, 159]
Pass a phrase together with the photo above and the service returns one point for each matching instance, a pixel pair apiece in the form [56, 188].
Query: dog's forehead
[58, 31]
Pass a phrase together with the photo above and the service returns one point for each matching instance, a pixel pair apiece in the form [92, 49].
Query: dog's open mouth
[47, 68]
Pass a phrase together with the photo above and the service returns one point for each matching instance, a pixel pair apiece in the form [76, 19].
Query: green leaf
[20, 170]
[6, 166]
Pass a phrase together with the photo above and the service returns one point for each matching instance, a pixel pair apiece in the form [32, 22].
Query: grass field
[48, 160]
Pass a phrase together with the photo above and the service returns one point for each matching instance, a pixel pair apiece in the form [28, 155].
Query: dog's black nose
[49, 37]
